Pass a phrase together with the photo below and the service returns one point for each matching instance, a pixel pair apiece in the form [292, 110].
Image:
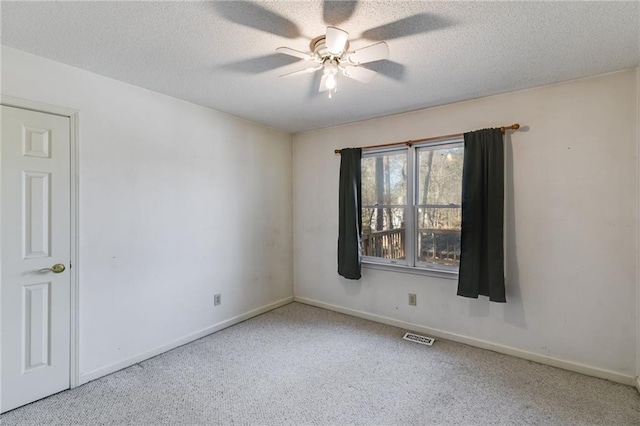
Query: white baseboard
[542, 359]
[112, 368]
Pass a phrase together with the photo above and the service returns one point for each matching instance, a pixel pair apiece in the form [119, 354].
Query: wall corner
[638, 228]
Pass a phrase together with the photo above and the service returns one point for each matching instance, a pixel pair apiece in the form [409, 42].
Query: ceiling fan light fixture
[329, 79]
[330, 67]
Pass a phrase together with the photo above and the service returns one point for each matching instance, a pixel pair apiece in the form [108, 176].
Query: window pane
[440, 175]
[383, 233]
[439, 235]
[384, 179]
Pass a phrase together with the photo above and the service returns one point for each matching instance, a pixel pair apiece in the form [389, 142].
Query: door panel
[35, 225]
[35, 214]
[36, 299]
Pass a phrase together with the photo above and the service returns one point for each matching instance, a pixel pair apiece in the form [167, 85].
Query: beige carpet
[303, 365]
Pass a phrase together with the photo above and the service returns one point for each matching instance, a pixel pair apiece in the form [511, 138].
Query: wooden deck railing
[436, 245]
[439, 246]
[386, 244]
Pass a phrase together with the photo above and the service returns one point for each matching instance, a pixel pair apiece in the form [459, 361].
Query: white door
[35, 226]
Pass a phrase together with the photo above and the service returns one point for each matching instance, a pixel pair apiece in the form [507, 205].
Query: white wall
[177, 202]
[570, 220]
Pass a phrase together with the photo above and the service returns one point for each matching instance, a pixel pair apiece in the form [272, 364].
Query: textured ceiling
[222, 54]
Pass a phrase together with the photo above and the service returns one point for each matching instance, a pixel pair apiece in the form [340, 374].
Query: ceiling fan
[331, 54]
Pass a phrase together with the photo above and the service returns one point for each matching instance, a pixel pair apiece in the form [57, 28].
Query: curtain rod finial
[515, 126]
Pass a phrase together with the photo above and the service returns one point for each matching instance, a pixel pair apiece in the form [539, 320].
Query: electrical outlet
[217, 299]
[413, 300]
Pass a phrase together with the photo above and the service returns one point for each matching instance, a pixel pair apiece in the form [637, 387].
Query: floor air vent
[419, 339]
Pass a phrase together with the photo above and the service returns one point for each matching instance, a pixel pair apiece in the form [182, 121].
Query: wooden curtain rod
[503, 129]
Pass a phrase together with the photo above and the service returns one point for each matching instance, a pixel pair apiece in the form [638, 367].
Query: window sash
[408, 255]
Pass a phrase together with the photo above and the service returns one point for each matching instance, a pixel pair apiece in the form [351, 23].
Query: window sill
[450, 275]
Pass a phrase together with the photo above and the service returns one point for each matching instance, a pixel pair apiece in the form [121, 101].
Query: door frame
[74, 349]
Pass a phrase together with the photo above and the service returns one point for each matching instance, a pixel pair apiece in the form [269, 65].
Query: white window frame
[411, 264]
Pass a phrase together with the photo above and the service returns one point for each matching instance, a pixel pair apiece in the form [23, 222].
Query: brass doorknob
[56, 269]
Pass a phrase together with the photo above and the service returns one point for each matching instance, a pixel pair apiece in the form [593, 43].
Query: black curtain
[482, 245]
[350, 214]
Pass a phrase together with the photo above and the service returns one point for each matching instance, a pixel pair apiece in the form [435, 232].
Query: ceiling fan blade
[255, 16]
[360, 74]
[260, 64]
[308, 70]
[415, 24]
[293, 52]
[373, 52]
[336, 12]
[336, 40]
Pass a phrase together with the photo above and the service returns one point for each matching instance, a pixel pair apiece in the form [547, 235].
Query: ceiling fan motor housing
[319, 47]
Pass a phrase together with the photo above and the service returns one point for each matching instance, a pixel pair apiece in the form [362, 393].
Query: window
[411, 206]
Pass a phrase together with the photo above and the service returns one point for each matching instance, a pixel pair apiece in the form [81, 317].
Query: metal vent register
[424, 340]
